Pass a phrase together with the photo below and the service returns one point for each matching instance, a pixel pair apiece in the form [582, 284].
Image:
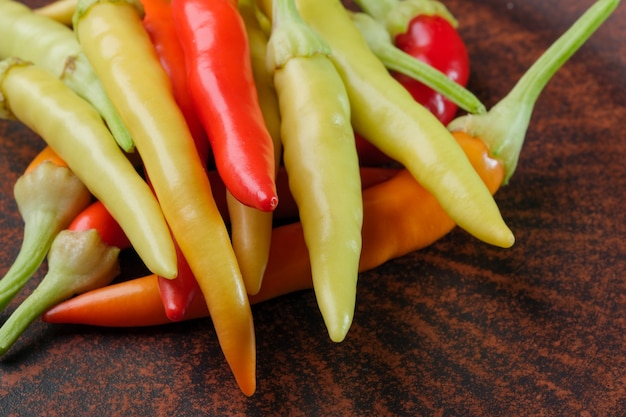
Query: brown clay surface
[457, 329]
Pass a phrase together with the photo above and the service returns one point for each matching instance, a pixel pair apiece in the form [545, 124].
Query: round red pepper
[433, 39]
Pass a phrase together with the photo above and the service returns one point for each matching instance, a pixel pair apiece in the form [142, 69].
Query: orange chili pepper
[399, 217]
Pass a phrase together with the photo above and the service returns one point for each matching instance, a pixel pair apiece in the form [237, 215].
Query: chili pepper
[58, 10]
[399, 217]
[412, 210]
[216, 49]
[96, 216]
[160, 26]
[52, 45]
[388, 116]
[426, 31]
[48, 196]
[251, 229]
[78, 135]
[178, 292]
[47, 154]
[440, 92]
[288, 209]
[397, 15]
[319, 154]
[77, 262]
[116, 43]
[504, 127]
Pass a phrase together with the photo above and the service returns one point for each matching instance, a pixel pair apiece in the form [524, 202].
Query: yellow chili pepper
[53, 46]
[114, 39]
[386, 114]
[75, 131]
[61, 11]
[251, 229]
[321, 162]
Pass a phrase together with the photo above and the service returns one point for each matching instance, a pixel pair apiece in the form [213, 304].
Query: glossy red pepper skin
[160, 26]
[434, 40]
[176, 294]
[96, 216]
[217, 56]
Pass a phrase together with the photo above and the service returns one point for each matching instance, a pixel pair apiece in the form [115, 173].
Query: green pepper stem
[291, 36]
[397, 60]
[378, 9]
[395, 15]
[39, 232]
[504, 126]
[78, 262]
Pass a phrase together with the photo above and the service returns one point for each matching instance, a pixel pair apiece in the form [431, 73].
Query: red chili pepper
[214, 41]
[400, 216]
[176, 294]
[433, 39]
[96, 216]
[160, 26]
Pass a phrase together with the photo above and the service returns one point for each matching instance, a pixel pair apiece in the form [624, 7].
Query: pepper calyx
[291, 37]
[5, 66]
[83, 7]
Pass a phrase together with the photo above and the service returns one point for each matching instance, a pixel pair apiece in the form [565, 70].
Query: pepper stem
[78, 262]
[291, 36]
[395, 15]
[397, 60]
[39, 232]
[504, 127]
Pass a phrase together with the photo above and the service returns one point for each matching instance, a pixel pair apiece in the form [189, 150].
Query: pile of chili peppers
[247, 149]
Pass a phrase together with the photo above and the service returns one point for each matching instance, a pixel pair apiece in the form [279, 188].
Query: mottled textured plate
[457, 329]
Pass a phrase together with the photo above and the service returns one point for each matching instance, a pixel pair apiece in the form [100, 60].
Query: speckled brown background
[458, 329]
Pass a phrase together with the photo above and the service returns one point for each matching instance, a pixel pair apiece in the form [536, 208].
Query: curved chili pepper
[78, 135]
[399, 217]
[320, 157]
[388, 116]
[160, 26]
[53, 46]
[175, 293]
[215, 45]
[116, 43]
[48, 196]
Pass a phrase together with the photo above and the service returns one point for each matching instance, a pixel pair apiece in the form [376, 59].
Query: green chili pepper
[321, 161]
[504, 127]
[52, 45]
[75, 131]
[385, 113]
